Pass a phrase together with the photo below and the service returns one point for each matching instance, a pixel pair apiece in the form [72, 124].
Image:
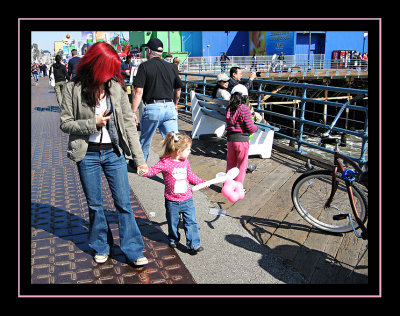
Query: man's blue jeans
[158, 115]
[115, 170]
[173, 208]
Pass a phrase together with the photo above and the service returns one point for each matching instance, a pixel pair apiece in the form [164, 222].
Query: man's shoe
[100, 258]
[172, 244]
[197, 249]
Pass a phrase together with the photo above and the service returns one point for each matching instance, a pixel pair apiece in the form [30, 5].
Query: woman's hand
[142, 170]
[101, 120]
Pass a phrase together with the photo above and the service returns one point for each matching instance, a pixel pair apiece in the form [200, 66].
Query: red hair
[100, 64]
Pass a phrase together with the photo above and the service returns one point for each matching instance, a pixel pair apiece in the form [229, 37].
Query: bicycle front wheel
[310, 193]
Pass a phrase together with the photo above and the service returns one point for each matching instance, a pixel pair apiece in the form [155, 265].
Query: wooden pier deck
[267, 213]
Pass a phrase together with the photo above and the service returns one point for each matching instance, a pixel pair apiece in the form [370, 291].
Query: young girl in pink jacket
[177, 173]
[239, 126]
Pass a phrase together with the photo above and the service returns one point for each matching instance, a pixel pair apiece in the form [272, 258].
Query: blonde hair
[175, 142]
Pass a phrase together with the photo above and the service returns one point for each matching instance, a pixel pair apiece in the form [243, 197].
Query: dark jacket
[60, 72]
[232, 82]
[73, 62]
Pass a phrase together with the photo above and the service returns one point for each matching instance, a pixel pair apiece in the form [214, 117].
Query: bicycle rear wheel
[310, 193]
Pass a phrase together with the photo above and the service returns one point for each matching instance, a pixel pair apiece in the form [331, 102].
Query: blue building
[241, 43]
[209, 43]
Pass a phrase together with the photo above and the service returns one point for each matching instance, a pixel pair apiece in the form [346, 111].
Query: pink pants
[237, 156]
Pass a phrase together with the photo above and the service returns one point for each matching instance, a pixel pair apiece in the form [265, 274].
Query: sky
[45, 40]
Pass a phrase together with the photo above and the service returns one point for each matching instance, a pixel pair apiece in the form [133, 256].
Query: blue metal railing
[301, 117]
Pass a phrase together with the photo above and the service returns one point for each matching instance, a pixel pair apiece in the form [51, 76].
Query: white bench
[208, 116]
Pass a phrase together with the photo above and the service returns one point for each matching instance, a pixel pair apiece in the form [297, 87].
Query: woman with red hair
[96, 113]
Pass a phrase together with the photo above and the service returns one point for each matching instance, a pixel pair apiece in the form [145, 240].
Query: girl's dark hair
[99, 65]
[58, 59]
[236, 100]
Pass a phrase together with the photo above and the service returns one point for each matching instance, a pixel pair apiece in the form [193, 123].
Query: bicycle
[319, 196]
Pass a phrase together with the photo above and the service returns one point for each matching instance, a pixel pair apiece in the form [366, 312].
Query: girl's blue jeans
[158, 115]
[173, 208]
[115, 170]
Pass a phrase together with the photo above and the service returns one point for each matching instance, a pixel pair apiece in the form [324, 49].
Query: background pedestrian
[159, 86]
[72, 64]
[60, 77]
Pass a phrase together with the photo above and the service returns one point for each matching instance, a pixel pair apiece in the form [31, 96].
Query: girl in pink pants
[239, 126]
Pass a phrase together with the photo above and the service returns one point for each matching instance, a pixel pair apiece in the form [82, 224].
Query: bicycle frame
[338, 167]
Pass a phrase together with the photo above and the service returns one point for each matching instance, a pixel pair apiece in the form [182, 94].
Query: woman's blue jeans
[173, 208]
[115, 170]
[158, 115]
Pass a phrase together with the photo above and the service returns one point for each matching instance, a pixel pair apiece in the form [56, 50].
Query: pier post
[292, 143]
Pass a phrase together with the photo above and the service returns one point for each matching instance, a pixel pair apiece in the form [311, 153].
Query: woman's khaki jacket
[79, 121]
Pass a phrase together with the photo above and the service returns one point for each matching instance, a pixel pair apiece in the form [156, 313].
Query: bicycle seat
[330, 140]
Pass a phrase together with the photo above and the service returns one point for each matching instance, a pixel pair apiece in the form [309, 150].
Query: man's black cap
[155, 45]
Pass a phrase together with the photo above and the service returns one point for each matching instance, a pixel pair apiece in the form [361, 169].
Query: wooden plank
[328, 268]
[265, 166]
[289, 237]
[273, 212]
[260, 194]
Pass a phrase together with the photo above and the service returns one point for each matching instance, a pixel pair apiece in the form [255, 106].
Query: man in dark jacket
[236, 75]
[73, 62]
[60, 77]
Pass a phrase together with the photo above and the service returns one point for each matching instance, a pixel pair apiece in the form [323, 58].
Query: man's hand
[136, 101]
[135, 118]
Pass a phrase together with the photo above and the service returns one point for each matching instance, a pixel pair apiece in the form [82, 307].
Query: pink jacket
[177, 175]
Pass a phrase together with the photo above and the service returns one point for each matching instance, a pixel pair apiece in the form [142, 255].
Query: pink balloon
[233, 190]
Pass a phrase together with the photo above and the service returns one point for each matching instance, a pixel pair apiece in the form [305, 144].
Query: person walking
[72, 64]
[35, 72]
[176, 61]
[253, 62]
[96, 114]
[177, 174]
[239, 126]
[159, 86]
[60, 78]
[223, 59]
[44, 70]
[126, 68]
